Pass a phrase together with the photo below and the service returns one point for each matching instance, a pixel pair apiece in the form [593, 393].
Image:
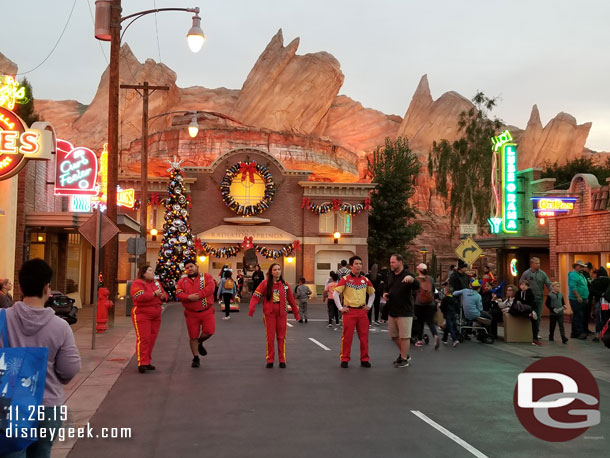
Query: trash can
[128, 299]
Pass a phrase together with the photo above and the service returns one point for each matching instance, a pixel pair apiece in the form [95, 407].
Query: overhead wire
[56, 43]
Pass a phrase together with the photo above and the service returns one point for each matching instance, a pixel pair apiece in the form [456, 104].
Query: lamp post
[336, 237]
[108, 20]
[424, 252]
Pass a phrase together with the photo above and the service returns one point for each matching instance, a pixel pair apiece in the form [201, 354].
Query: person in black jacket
[526, 296]
[459, 278]
[399, 297]
[598, 287]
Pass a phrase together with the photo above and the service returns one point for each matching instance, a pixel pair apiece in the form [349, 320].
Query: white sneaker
[534, 315]
[226, 317]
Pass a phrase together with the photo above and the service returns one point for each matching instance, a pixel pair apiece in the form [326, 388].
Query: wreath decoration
[246, 171]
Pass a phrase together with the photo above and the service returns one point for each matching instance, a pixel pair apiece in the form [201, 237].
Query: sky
[553, 53]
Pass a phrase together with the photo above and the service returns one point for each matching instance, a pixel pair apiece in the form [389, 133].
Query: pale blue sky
[553, 53]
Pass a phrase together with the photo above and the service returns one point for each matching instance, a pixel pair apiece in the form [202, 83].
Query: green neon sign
[508, 155]
[495, 225]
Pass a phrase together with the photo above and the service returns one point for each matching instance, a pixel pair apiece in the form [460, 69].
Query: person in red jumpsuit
[196, 292]
[147, 296]
[276, 295]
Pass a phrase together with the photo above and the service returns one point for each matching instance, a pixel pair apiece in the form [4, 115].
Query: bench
[517, 328]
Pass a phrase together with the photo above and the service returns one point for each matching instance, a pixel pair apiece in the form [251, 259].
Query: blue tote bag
[23, 371]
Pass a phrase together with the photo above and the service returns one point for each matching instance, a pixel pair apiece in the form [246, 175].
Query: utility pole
[146, 91]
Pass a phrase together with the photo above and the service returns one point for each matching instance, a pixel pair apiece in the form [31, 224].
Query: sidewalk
[100, 368]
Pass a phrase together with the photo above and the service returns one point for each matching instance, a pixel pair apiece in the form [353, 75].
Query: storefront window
[344, 223]
[327, 223]
[73, 264]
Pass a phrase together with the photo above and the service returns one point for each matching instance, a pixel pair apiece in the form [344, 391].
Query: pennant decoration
[232, 251]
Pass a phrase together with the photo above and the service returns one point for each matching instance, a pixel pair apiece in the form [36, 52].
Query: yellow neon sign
[124, 197]
[10, 92]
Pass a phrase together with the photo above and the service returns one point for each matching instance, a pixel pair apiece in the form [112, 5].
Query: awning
[513, 243]
[72, 220]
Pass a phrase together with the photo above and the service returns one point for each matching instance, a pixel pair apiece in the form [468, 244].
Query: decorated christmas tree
[177, 245]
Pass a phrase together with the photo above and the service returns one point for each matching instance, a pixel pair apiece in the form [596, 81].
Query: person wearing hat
[578, 296]
[196, 292]
[537, 280]
[459, 278]
[472, 304]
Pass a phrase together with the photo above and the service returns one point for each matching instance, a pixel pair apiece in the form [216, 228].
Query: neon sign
[552, 206]
[18, 144]
[124, 197]
[76, 170]
[495, 224]
[80, 204]
[10, 92]
[513, 267]
[508, 155]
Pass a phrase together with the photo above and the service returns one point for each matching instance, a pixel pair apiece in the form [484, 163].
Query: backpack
[229, 284]
[425, 295]
[23, 372]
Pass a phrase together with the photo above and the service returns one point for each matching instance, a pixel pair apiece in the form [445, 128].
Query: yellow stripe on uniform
[135, 325]
[266, 339]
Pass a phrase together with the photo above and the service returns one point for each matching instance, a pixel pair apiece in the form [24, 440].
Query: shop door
[326, 261]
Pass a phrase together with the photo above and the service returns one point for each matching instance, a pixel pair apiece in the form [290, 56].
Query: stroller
[63, 306]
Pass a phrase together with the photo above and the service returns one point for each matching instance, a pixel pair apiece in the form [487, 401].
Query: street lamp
[108, 20]
[193, 126]
[424, 252]
[336, 237]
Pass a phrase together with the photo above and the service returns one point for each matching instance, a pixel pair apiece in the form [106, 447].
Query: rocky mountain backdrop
[290, 106]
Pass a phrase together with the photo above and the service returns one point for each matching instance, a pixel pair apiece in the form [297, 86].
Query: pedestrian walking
[333, 311]
[302, 294]
[537, 280]
[556, 305]
[354, 288]
[148, 295]
[578, 296]
[343, 269]
[276, 295]
[196, 292]
[30, 324]
[227, 291]
[450, 307]
[257, 277]
[398, 295]
[597, 290]
[6, 300]
[425, 306]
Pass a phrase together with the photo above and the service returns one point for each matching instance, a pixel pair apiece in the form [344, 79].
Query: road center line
[292, 326]
[319, 344]
[449, 434]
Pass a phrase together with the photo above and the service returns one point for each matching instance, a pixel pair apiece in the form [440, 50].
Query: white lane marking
[449, 434]
[309, 319]
[290, 325]
[319, 344]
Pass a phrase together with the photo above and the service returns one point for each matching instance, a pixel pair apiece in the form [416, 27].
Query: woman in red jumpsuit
[147, 296]
[276, 295]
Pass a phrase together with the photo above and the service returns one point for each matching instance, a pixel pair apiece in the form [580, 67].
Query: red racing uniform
[146, 317]
[199, 314]
[354, 290]
[275, 316]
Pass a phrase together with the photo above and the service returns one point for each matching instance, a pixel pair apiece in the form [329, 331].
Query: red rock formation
[286, 92]
[561, 139]
[7, 66]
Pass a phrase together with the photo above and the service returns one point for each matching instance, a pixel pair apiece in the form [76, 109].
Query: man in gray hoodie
[30, 324]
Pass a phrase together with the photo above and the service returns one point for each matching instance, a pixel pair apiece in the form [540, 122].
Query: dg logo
[557, 399]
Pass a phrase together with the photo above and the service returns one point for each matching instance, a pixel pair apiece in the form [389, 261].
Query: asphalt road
[232, 406]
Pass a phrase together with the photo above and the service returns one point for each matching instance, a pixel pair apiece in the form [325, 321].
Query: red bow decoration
[154, 199]
[336, 204]
[297, 245]
[247, 243]
[247, 170]
[198, 245]
[305, 201]
[367, 204]
[188, 199]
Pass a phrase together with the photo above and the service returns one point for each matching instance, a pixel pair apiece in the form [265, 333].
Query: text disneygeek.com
[68, 432]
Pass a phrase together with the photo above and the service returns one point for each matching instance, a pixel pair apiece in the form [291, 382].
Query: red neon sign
[76, 170]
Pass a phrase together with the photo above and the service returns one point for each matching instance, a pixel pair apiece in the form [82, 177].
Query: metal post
[98, 243]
